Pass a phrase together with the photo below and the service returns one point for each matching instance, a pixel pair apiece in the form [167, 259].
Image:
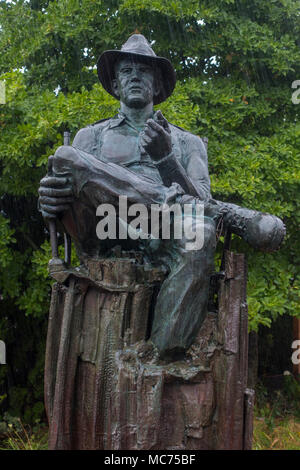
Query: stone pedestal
[106, 388]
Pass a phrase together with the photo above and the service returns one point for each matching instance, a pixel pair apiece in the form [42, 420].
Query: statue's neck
[137, 117]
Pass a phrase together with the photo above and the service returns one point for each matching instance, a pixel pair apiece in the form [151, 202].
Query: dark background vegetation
[235, 63]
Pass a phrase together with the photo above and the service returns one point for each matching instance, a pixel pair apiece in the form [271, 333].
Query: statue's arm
[55, 192]
[192, 172]
[196, 167]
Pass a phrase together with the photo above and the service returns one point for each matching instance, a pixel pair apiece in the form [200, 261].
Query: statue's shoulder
[99, 124]
[85, 137]
[178, 129]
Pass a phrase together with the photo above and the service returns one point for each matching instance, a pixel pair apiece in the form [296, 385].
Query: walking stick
[67, 238]
[57, 264]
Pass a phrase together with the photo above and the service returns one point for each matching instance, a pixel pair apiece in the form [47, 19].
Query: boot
[262, 231]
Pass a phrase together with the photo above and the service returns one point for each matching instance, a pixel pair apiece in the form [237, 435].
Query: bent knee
[66, 152]
[66, 158]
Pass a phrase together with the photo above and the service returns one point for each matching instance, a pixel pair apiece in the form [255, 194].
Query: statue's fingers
[46, 215]
[54, 181]
[53, 192]
[148, 131]
[158, 127]
[146, 145]
[54, 210]
[162, 120]
[167, 127]
[155, 126]
[159, 115]
[146, 140]
[54, 201]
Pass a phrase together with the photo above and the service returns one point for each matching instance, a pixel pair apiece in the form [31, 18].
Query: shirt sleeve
[86, 140]
[194, 162]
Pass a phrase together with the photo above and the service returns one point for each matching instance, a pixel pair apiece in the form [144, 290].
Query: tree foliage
[235, 63]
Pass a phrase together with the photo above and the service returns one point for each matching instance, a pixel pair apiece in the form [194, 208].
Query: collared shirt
[117, 140]
[120, 143]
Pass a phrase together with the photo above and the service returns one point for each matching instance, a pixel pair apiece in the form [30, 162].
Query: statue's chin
[137, 101]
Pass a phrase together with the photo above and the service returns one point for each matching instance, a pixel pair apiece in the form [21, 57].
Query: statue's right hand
[55, 196]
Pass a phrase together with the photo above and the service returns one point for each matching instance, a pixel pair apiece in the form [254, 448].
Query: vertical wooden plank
[139, 313]
[59, 432]
[230, 368]
[52, 345]
[248, 424]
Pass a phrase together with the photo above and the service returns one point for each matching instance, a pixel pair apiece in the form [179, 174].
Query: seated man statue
[140, 155]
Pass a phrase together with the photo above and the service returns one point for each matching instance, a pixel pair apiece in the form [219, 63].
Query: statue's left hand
[55, 196]
[156, 137]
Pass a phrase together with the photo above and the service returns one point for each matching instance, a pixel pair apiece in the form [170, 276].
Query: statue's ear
[157, 88]
[115, 87]
[158, 83]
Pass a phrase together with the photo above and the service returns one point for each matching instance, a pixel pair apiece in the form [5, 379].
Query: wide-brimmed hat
[136, 47]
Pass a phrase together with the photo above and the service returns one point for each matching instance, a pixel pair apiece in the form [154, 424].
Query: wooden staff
[67, 238]
[52, 224]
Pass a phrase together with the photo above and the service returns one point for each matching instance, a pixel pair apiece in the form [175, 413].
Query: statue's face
[135, 83]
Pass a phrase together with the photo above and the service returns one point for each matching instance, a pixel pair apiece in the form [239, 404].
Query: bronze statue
[140, 155]
[136, 154]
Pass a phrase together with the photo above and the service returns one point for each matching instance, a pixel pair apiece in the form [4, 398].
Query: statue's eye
[125, 71]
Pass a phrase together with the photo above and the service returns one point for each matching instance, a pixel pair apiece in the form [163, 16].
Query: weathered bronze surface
[107, 388]
[134, 360]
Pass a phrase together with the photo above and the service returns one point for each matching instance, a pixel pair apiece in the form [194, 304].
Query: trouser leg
[96, 182]
[182, 301]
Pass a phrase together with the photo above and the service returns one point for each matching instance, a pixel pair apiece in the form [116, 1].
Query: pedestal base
[105, 387]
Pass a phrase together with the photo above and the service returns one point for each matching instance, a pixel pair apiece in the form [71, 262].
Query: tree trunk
[105, 386]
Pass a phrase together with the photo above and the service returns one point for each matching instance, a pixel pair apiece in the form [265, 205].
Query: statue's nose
[135, 75]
